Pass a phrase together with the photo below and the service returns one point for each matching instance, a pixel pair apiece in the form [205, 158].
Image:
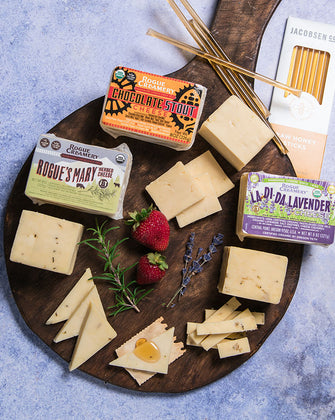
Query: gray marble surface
[55, 57]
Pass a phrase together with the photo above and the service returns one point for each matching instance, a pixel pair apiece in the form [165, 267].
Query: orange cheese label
[152, 105]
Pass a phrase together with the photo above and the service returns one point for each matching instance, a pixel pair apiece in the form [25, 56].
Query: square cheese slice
[206, 163]
[236, 132]
[203, 208]
[46, 242]
[175, 191]
[252, 274]
[96, 333]
[73, 299]
[164, 344]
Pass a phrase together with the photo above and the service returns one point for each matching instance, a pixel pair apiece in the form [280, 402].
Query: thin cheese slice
[206, 163]
[219, 315]
[79, 291]
[231, 326]
[96, 333]
[228, 348]
[131, 361]
[72, 326]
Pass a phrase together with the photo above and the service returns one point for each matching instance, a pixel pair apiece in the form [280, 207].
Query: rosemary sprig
[126, 295]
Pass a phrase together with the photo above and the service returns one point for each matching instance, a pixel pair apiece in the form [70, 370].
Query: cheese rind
[72, 326]
[96, 333]
[72, 300]
[236, 132]
[252, 274]
[206, 163]
[175, 191]
[46, 242]
[228, 348]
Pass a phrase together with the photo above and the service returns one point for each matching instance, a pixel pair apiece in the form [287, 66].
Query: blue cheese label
[286, 208]
[80, 176]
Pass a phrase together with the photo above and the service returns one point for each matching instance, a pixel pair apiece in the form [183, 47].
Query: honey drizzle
[147, 351]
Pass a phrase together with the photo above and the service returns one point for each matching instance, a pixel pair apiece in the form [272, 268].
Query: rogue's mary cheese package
[286, 208]
[152, 108]
[81, 176]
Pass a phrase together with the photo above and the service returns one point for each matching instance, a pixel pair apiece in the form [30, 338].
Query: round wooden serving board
[239, 27]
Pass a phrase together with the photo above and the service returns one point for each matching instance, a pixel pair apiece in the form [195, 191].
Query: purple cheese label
[288, 208]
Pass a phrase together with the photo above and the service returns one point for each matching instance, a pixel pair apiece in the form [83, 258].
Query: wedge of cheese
[72, 326]
[164, 344]
[96, 333]
[206, 163]
[175, 191]
[72, 300]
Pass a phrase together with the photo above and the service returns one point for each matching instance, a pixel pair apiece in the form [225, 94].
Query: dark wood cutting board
[239, 27]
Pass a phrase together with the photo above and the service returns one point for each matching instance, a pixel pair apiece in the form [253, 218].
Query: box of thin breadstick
[307, 63]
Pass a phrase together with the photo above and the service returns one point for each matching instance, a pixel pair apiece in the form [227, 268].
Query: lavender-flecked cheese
[286, 209]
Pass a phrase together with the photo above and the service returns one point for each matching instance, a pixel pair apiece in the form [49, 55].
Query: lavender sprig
[193, 267]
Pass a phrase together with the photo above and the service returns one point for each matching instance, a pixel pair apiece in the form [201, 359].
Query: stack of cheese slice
[225, 329]
[142, 368]
[190, 192]
[85, 317]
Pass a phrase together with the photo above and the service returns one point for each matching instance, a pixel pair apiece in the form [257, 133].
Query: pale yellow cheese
[206, 163]
[175, 191]
[231, 326]
[46, 242]
[211, 340]
[72, 326]
[96, 333]
[228, 348]
[164, 344]
[79, 291]
[219, 315]
[203, 208]
[236, 132]
[252, 274]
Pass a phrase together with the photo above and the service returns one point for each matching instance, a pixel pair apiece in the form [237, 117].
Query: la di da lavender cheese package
[286, 208]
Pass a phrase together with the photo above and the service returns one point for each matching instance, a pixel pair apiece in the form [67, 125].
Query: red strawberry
[151, 268]
[150, 228]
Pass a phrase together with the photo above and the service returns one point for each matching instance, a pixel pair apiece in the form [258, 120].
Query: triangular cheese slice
[95, 333]
[163, 342]
[72, 299]
[72, 326]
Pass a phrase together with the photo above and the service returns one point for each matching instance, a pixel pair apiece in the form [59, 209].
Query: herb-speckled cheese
[46, 242]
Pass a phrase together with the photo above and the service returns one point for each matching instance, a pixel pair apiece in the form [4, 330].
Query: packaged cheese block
[203, 208]
[46, 242]
[286, 209]
[72, 300]
[80, 176]
[175, 191]
[152, 108]
[236, 132]
[96, 333]
[138, 360]
[252, 274]
[206, 163]
[72, 326]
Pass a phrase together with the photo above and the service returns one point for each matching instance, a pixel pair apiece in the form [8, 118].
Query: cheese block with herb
[236, 132]
[252, 274]
[229, 348]
[72, 300]
[46, 242]
[140, 358]
[96, 333]
[72, 326]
